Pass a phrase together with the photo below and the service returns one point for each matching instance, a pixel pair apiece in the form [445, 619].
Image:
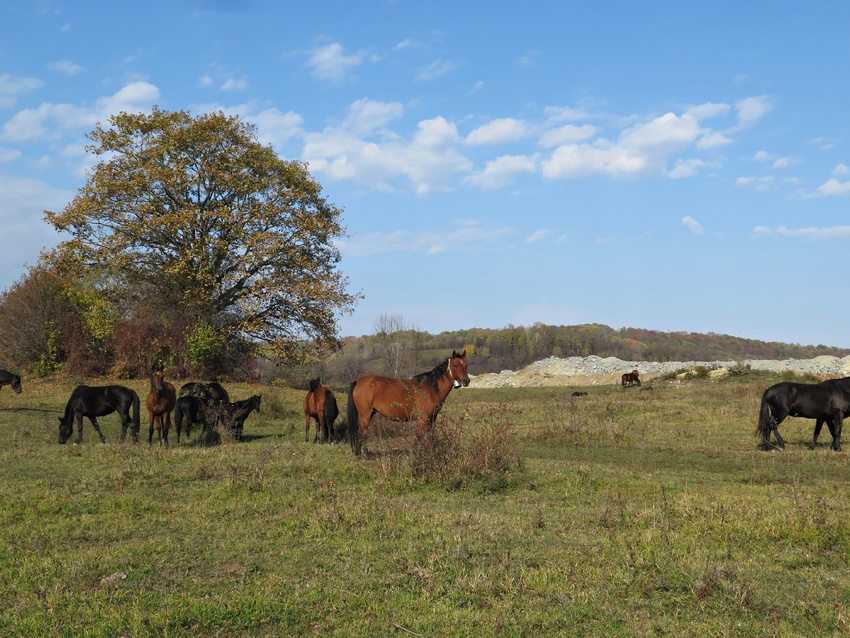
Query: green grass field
[620, 513]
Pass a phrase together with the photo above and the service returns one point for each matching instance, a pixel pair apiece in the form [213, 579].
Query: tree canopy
[191, 219]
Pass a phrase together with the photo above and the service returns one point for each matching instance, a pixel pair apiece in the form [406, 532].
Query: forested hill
[514, 347]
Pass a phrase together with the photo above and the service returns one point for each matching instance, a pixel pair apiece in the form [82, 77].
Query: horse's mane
[433, 376]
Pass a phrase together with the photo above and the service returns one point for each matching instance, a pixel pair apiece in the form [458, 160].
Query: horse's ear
[463, 354]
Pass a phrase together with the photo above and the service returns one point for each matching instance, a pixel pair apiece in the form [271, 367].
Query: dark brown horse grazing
[190, 410]
[631, 378]
[235, 414]
[320, 404]
[12, 380]
[160, 403]
[418, 399]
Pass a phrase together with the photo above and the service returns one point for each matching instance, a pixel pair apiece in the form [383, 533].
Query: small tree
[192, 218]
[390, 337]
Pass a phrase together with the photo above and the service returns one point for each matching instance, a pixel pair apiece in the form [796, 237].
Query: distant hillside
[492, 350]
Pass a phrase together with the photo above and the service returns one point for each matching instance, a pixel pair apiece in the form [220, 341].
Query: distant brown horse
[631, 378]
[320, 404]
[418, 399]
[160, 403]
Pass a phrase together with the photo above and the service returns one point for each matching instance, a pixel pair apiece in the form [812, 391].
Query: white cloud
[756, 183]
[642, 149]
[841, 169]
[49, 121]
[8, 155]
[365, 117]
[536, 236]
[692, 225]
[583, 160]
[235, 84]
[502, 171]
[750, 110]
[331, 64]
[498, 132]
[11, 87]
[833, 187]
[567, 134]
[66, 67]
[429, 159]
[275, 127]
[686, 168]
[466, 237]
[833, 232]
[407, 43]
[434, 70]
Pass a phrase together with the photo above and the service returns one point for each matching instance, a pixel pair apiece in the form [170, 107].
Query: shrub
[463, 450]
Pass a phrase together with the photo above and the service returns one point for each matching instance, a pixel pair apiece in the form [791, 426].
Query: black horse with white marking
[94, 401]
[826, 402]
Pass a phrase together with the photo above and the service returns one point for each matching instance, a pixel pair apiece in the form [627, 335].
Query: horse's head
[16, 384]
[314, 384]
[457, 369]
[255, 401]
[157, 381]
[66, 428]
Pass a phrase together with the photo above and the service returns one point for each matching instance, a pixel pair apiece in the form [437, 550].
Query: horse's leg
[97, 429]
[362, 435]
[836, 434]
[775, 427]
[818, 426]
[150, 430]
[166, 425]
[79, 418]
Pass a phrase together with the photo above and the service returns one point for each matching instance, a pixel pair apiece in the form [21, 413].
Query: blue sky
[664, 165]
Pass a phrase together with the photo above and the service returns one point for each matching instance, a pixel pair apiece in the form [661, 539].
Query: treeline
[408, 352]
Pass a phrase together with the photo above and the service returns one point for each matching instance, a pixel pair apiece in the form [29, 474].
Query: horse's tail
[765, 419]
[353, 420]
[137, 423]
[178, 417]
[331, 412]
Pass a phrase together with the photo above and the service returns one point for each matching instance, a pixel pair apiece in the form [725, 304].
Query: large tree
[208, 226]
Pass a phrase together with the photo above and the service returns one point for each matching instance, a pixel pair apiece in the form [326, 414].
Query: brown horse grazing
[320, 404]
[160, 403]
[631, 378]
[12, 380]
[418, 399]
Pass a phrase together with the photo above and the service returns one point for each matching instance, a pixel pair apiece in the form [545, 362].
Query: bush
[464, 450]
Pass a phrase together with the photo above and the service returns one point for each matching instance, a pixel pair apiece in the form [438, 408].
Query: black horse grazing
[95, 401]
[191, 410]
[12, 380]
[236, 413]
[212, 393]
[826, 402]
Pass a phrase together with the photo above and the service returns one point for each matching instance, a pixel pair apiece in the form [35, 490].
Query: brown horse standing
[320, 404]
[418, 399]
[630, 378]
[160, 403]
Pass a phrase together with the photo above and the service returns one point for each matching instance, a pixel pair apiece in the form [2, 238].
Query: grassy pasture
[620, 513]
